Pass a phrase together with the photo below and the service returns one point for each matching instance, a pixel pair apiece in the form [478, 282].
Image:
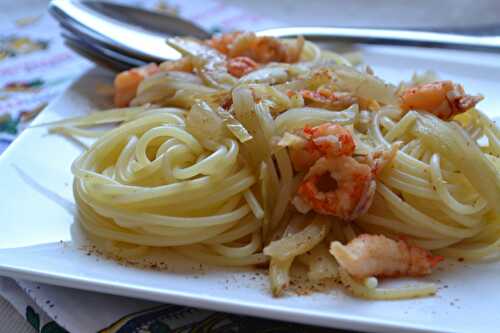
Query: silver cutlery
[121, 37]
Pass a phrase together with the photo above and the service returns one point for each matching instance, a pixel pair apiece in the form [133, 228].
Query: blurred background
[373, 13]
[378, 13]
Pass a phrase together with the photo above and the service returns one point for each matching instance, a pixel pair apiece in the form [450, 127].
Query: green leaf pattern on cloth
[34, 319]
[52, 327]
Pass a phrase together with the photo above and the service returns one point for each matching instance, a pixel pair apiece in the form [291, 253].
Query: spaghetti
[236, 155]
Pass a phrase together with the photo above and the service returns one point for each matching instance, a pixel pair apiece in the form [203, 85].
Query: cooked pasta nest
[200, 163]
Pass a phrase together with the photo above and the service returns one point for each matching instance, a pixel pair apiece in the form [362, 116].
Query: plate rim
[220, 304]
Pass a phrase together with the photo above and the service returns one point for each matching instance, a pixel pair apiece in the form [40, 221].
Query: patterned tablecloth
[35, 67]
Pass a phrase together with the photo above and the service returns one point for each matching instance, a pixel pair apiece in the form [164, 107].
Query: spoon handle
[389, 36]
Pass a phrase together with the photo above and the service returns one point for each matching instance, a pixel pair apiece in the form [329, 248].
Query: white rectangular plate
[37, 242]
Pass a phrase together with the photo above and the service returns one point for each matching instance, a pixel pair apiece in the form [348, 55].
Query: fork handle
[389, 36]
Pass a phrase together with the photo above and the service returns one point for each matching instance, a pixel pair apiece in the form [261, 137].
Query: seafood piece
[260, 49]
[338, 186]
[442, 98]
[378, 159]
[328, 99]
[330, 139]
[376, 255]
[240, 66]
[126, 83]
[337, 183]
[327, 139]
[223, 42]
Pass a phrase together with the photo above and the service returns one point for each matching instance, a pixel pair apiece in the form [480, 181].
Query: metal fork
[121, 37]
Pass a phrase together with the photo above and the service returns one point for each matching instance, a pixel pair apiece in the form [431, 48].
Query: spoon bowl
[146, 20]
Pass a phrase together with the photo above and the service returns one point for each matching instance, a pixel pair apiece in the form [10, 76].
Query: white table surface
[392, 13]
